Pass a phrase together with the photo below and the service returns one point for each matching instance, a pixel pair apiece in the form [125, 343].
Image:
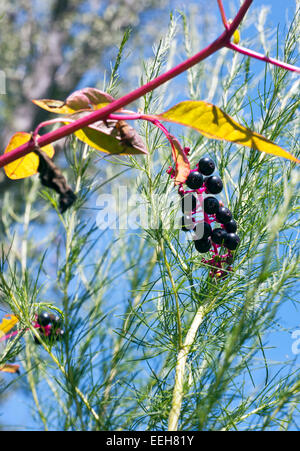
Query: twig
[223, 15]
[261, 57]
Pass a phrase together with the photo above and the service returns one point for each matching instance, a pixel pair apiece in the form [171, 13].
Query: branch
[178, 391]
[261, 57]
[102, 114]
[223, 15]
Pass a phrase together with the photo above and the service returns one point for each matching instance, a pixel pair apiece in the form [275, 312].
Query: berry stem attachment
[50, 122]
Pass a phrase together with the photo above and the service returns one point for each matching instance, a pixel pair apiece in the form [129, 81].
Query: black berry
[60, 334]
[231, 241]
[206, 166]
[187, 223]
[188, 203]
[203, 245]
[55, 320]
[50, 327]
[214, 184]
[194, 180]
[218, 235]
[211, 205]
[224, 215]
[43, 319]
[231, 226]
[203, 230]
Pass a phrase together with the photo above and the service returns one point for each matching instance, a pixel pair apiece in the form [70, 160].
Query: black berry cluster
[49, 326]
[207, 238]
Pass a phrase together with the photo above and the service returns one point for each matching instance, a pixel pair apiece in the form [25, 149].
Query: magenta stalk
[223, 15]
[261, 57]
[101, 114]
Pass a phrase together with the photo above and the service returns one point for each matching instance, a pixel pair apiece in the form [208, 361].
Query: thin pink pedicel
[46, 330]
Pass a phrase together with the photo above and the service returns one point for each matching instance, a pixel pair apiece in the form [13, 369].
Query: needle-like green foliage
[151, 340]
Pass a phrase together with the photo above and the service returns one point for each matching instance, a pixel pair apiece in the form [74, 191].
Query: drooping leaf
[52, 177]
[54, 106]
[114, 137]
[214, 123]
[7, 323]
[25, 166]
[107, 140]
[129, 137]
[88, 98]
[83, 99]
[182, 165]
[9, 368]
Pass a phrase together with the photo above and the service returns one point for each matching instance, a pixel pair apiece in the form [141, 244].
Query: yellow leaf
[82, 100]
[7, 324]
[105, 143]
[25, 166]
[214, 123]
[111, 136]
[54, 106]
[8, 368]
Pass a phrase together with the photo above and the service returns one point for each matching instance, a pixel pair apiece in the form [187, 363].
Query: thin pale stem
[178, 391]
[26, 222]
[31, 381]
[179, 328]
[81, 395]
[125, 328]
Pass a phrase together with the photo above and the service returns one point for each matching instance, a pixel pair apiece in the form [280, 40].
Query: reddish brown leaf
[9, 368]
[182, 165]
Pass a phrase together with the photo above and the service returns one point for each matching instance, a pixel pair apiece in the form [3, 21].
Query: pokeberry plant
[159, 328]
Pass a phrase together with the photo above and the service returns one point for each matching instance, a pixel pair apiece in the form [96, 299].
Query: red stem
[7, 336]
[101, 114]
[223, 15]
[50, 122]
[261, 57]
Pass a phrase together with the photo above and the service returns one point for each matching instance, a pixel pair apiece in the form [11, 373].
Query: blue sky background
[16, 411]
